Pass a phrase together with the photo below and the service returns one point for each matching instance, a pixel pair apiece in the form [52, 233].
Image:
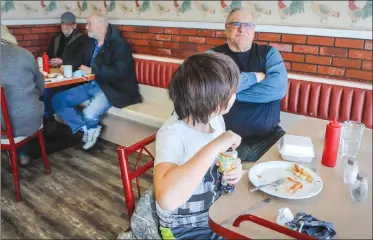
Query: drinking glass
[352, 134]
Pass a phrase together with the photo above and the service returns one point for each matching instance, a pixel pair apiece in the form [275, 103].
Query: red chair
[127, 175]
[11, 144]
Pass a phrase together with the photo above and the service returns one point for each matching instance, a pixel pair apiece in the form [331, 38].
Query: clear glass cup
[352, 135]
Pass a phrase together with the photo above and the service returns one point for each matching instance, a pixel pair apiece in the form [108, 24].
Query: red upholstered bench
[314, 98]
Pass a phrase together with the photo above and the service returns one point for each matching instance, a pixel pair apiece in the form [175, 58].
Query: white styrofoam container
[296, 148]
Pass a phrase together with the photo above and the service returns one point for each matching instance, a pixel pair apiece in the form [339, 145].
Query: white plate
[268, 172]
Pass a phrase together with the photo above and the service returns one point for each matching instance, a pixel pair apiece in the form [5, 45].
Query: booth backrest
[326, 101]
[154, 73]
[313, 99]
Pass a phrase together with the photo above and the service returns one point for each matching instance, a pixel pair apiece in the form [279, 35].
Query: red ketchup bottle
[331, 144]
[46, 63]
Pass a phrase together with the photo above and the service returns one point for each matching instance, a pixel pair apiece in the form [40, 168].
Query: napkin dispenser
[296, 149]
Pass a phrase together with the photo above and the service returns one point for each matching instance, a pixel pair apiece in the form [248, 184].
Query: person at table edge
[110, 58]
[63, 49]
[255, 115]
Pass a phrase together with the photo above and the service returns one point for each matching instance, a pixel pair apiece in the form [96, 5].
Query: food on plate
[301, 173]
[294, 185]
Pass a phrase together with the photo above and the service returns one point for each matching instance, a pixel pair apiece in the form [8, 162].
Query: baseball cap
[68, 17]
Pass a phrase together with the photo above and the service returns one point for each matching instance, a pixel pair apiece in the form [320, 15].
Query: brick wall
[341, 58]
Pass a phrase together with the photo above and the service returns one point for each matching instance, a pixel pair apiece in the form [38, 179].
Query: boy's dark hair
[203, 84]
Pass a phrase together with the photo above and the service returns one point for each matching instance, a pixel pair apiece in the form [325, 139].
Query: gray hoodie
[23, 85]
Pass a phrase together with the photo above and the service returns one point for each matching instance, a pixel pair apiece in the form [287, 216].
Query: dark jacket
[114, 69]
[74, 45]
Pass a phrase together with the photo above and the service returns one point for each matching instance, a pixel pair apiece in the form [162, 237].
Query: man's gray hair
[101, 18]
[239, 9]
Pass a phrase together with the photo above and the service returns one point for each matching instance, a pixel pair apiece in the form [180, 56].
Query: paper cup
[68, 70]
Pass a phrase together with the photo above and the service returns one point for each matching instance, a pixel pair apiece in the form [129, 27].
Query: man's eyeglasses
[237, 25]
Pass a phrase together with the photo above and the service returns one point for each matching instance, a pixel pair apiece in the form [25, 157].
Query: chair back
[128, 175]
[5, 115]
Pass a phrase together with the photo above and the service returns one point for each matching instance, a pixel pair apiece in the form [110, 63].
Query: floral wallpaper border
[355, 15]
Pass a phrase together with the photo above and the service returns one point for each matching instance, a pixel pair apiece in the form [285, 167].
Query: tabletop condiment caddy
[351, 175]
[300, 149]
[43, 63]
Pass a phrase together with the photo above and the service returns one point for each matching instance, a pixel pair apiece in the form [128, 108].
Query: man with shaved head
[255, 114]
[109, 57]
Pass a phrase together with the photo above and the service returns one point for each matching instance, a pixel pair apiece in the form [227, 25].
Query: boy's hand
[234, 176]
[228, 140]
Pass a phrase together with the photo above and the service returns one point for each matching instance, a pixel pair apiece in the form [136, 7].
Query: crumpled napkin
[284, 216]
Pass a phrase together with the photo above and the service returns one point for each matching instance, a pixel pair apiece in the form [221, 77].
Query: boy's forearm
[179, 183]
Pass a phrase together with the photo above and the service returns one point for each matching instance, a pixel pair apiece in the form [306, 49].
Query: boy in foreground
[188, 144]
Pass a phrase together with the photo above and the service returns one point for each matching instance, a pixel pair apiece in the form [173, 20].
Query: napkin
[284, 216]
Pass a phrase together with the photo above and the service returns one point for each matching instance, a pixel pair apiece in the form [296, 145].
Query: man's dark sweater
[67, 48]
[256, 112]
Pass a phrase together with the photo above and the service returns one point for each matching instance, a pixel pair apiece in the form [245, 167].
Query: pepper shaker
[359, 190]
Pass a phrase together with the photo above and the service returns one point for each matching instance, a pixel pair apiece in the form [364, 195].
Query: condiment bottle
[46, 67]
[350, 172]
[331, 144]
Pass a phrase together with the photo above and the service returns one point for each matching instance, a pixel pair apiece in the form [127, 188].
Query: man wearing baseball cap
[66, 44]
[62, 50]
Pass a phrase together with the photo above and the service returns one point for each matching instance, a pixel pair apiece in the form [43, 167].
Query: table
[66, 81]
[334, 204]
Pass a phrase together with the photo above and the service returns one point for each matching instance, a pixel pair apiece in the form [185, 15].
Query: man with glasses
[63, 49]
[255, 114]
[110, 58]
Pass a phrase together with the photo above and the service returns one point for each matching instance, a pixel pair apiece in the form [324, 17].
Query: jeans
[47, 99]
[65, 103]
[306, 223]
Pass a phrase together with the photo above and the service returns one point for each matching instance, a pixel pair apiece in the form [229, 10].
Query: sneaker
[23, 160]
[90, 137]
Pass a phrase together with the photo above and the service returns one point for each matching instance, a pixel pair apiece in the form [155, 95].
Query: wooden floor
[82, 198]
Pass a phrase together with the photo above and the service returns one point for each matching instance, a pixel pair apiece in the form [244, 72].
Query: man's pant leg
[47, 99]
[250, 150]
[98, 105]
[64, 103]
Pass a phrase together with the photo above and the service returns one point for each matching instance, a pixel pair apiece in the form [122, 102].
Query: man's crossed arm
[264, 87]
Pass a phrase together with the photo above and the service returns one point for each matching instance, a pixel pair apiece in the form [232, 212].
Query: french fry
[301, 173]
[296, 186]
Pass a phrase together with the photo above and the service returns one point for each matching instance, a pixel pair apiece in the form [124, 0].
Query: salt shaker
[350, 171]
[359, 190]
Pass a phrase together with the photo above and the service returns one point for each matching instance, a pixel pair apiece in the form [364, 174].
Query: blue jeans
[47, 99]
[65, 103]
